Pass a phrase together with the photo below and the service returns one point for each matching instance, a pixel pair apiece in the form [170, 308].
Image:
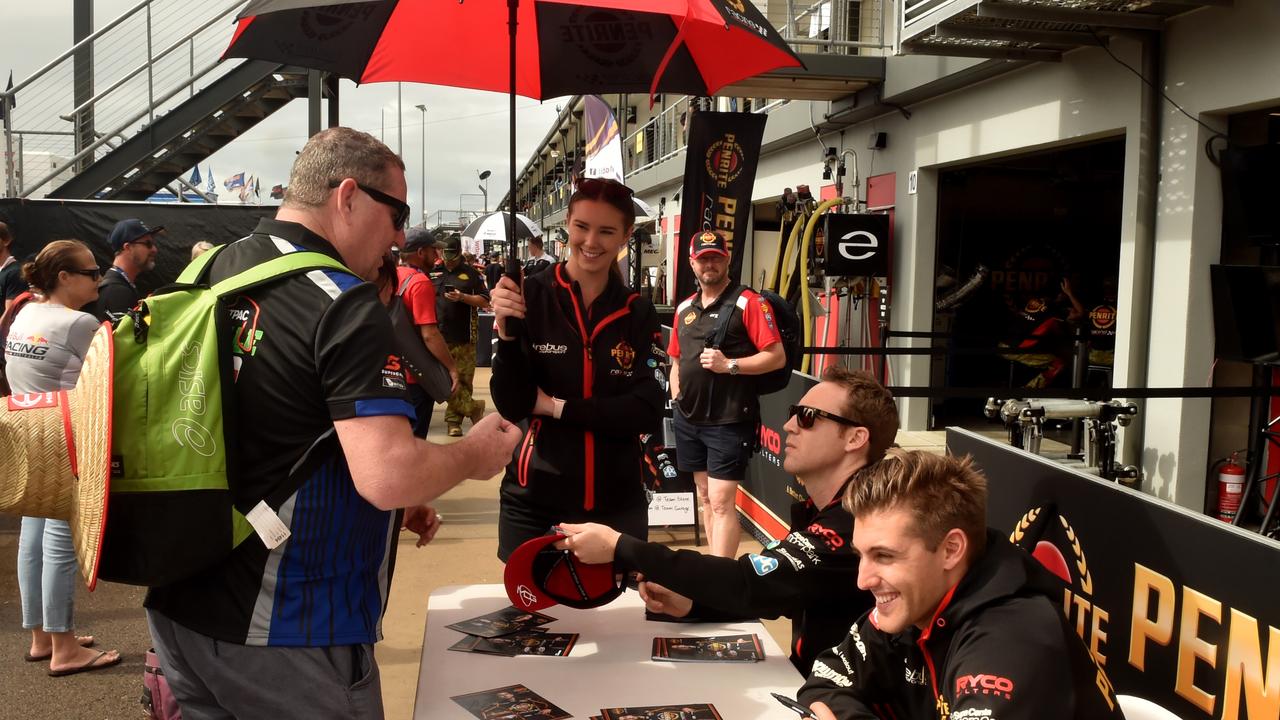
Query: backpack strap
[197, 269]
[722, 323]
[404, 285]
[288, 264]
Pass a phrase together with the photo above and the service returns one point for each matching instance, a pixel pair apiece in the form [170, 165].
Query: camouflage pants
[460, 403]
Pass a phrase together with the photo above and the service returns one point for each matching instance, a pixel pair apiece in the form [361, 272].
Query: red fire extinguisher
[1230, 488]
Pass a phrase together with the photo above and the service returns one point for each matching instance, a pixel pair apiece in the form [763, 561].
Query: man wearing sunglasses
[843, 423]
[322, 426]
[134, 244]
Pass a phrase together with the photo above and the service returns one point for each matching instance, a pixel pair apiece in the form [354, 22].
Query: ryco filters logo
[526, 595]
[725, 160]
[605, 37]
[330, 22]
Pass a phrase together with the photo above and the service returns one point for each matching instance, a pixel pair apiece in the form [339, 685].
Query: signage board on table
[1178, 608]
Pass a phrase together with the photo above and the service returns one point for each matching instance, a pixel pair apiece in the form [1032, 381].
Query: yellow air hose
[785, 252]
[806, 315]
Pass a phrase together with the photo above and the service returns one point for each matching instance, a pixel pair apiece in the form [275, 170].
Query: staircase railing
[136, 67]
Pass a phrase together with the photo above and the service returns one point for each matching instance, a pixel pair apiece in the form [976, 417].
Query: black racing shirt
[998, 647]
[708, 398]
[11, 283]
[533, 266]
[456, 317]
[116, 296]
[600, 360]
[810, 576]
[305, 351]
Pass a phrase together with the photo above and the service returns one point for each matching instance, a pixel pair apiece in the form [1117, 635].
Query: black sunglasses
[401, 217]
[95, 273]
[806, 416]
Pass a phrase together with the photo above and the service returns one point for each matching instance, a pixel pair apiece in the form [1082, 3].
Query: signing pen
[793, 705]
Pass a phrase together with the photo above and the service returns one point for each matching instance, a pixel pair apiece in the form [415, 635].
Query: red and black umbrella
[551, 47]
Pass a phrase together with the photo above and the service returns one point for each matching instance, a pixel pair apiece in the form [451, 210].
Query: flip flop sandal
[86, 641]
[87, 667]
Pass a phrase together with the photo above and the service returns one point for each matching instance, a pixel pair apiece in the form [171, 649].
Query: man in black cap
[419, 253]
[716, 404]
[460, 293]
[135, 247]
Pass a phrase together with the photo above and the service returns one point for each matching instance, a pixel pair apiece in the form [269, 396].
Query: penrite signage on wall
[1177, 608]
[719, 175]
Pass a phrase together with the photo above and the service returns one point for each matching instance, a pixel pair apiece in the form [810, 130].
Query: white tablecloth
[609, 667]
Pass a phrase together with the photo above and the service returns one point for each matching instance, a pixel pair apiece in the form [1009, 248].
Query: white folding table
[610, 666]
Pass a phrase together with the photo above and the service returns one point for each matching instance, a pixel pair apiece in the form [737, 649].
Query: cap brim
[522, 590]
[91, 409]
[709, 251]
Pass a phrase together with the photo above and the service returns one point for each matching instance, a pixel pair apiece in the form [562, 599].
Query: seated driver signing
[974, 619]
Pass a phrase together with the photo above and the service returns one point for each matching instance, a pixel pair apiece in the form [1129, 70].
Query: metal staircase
[133, 107]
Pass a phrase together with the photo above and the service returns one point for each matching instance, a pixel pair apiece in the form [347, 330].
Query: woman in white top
[44, 350]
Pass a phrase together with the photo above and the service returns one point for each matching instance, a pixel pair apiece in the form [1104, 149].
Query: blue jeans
[47, 572]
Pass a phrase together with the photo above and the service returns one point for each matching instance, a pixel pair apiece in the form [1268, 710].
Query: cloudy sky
[466, 131]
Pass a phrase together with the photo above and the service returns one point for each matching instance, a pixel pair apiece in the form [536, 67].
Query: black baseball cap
[708, 241]
[420, 237]
[128, 231]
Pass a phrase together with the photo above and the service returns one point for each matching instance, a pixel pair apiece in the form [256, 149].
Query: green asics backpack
[170, 513]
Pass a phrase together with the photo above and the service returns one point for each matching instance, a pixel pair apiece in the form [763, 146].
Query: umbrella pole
[513, 265]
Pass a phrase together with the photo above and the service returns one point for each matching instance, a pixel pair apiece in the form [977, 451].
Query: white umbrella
[492, 228]
[644, 213]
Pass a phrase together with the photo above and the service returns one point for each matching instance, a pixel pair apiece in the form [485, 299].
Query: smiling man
[965, 625]
[810, 575]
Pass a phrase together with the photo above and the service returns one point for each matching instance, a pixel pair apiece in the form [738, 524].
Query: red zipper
[526, 452]
[588, 379]
[924, 636]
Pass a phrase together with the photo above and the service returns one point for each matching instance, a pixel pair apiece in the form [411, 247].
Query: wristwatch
[733, 367]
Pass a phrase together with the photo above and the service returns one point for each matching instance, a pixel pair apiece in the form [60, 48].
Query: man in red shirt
[717, 407]
[419, 254]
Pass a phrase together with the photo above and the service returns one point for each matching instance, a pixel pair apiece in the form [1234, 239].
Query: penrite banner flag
[719, 174]
[604, 146]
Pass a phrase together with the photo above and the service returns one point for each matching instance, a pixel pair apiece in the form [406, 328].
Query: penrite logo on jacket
[719, 174]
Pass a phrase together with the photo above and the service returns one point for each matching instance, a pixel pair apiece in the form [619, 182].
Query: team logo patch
[767, 312]
[1103, 316]
[773, 545]
[652, 363]
[624, 354]
[763, 565]
[690, 317]
[1034, 305]
[31, 401]
[393, 373]
[464, 276]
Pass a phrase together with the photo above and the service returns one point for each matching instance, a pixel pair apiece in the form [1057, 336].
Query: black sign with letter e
[857, 245]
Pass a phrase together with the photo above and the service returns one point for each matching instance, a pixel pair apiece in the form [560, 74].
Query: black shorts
[722, 451]
[519, 523]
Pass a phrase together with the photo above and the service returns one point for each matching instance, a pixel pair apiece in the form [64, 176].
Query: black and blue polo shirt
[306, 351]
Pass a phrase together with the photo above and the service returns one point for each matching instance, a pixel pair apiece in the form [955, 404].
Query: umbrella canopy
[494, 227]
[644, 213]
[563, 47]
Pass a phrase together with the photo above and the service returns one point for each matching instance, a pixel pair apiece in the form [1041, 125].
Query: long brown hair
[57, 256]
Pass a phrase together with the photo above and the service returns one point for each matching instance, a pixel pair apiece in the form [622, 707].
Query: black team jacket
[600, 361]
[810, 576]
[998, 647]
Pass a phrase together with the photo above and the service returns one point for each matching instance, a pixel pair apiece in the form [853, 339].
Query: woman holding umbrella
[580, 371]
